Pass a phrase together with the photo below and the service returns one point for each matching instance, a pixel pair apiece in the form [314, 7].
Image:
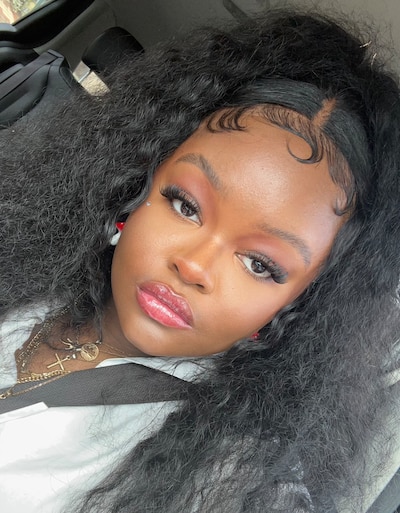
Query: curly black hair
[303, 402]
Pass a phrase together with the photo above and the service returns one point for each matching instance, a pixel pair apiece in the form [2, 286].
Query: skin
[259, 200]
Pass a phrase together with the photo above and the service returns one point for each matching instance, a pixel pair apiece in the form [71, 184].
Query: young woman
[253, 177]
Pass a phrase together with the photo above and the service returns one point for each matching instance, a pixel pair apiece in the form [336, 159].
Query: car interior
[50, 47]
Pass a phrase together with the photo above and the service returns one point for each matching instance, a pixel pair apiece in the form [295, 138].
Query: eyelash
[174, 192]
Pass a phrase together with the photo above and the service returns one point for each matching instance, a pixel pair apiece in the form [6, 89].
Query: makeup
[160, 303]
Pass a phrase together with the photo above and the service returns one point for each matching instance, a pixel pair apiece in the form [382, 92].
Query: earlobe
[115, 238]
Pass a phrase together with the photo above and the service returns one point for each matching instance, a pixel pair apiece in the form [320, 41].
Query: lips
[164, 306]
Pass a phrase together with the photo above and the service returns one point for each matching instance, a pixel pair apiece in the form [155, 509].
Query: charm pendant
[89, 352]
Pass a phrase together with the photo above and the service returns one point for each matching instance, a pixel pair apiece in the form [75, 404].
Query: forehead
[258, 160]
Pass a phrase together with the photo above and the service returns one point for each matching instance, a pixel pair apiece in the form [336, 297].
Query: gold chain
[116, 352]
[44, 379]
[88, 352]
[26, 354]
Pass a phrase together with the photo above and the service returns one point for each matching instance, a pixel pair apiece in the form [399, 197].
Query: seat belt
[128, 383]
[10, 83]
[39, 84]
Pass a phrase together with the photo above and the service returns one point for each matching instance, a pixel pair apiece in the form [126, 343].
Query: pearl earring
[115, 238]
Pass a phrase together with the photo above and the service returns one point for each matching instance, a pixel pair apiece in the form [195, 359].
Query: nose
[195, 265]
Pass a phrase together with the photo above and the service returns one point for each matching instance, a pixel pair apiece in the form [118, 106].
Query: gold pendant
[89, 352]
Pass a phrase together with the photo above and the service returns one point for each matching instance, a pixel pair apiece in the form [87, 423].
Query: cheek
[132, 246]
[256, 310]
[263, 313]
[259, 304]
[141, 228]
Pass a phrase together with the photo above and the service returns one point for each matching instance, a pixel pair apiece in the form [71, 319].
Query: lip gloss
[164, 306]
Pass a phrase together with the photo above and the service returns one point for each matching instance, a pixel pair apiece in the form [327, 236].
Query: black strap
[129, 383]
[27, 71]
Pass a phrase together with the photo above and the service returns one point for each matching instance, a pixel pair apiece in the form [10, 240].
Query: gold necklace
[88, 351]
[25, 356]
[44, 379]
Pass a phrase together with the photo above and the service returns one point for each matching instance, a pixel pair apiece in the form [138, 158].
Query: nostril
[192, 273]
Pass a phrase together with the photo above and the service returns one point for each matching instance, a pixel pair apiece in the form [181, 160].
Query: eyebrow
[296, 242]
[202, 163]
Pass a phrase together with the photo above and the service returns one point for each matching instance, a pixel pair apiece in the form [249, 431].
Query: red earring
[255, 336]
[115, 238]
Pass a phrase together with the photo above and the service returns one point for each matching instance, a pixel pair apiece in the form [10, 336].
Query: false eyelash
[278, 274]
[172, 192]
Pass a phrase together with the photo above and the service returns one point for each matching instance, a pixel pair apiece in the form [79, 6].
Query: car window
[12, 11]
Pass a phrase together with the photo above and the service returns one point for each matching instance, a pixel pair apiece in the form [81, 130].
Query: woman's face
[234, 229]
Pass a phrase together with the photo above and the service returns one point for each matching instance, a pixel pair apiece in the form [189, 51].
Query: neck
[56, 346]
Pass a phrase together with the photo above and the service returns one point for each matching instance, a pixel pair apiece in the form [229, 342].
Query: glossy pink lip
[164, 306]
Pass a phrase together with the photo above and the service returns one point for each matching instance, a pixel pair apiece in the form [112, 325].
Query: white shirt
[51, 456]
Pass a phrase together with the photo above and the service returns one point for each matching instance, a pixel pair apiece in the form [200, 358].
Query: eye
[256, 266]
[263, 268]
[182, 203]
[184, 208]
